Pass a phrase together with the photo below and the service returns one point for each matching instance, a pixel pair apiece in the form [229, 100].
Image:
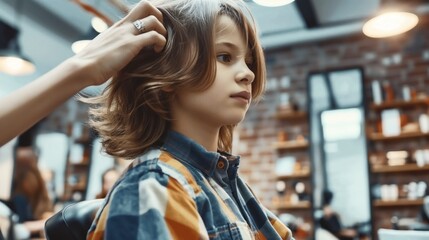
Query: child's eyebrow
[228, 45]
[233, 47]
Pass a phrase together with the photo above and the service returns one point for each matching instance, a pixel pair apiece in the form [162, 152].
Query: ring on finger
[139, 24]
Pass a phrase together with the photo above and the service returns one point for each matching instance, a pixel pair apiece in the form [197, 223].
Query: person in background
[425, 210]
[29, 196]
[174, 114]
[331, 220]
[421, 223]
[119, 44]
[108, 179]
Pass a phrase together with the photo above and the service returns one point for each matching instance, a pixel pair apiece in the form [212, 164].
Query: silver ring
[139, 24]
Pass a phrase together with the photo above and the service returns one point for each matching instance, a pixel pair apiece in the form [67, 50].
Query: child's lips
[244, 95]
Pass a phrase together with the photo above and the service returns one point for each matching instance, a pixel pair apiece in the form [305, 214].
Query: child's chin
[235, 120]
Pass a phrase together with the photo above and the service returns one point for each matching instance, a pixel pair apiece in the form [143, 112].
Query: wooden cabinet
[397, 179]
[293, 171]
[78, 163]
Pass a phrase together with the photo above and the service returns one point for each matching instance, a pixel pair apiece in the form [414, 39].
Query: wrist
[80, 71]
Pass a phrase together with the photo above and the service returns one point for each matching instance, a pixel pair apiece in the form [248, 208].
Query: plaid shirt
[181, 191]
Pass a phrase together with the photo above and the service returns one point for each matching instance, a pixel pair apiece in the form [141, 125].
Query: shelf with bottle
[78, 161]
[291, 141]
[292, 166]
[401, 136]
[291, 115]
[295, 175]
[394, 125]
[296, 205]
[400, 168]
[403, 104]
[398, 137]
[397, 118]
[399, 180]
[291, 145]
[292, 195]
[400, 161]
[294, 199]
[398, 203]
[400, 193]
[293, 185]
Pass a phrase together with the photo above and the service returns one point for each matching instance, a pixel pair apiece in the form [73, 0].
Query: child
[174, 112]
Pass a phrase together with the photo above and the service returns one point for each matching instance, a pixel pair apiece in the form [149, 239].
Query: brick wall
[401, 60]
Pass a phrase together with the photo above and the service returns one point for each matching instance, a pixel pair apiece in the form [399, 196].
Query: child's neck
[208, 137]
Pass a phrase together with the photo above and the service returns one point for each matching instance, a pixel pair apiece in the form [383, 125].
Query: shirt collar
[188, 151]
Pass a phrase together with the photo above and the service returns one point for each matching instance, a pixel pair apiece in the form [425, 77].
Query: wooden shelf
[291, 206]
[291, 145]
[76, 187]
[398, 169]
[381, 137]
[81, 164]
[398, 203]
[400, 104]
[294, 176]
[83, 140]
[291, 116]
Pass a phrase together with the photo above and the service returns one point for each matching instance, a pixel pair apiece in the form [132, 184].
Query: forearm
[29, 104]
[107, 54]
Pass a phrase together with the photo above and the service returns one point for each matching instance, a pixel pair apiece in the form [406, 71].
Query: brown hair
[132, 114]
[28, 182]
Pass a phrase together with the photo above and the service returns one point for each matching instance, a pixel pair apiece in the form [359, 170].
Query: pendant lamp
[273, 3]
[12, 61]
[390, 24]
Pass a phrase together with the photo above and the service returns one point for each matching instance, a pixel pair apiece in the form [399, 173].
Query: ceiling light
[13, 62]
[273, 3]
[390, 24]
[16, 65]
[98, 24]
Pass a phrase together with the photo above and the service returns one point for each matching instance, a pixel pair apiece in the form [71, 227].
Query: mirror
[346, 168]
[338, 153]
[100, 162]
[53, 148]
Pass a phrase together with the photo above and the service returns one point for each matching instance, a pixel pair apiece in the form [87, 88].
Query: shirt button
[220, 164]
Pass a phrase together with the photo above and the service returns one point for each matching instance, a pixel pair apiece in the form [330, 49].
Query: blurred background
[338, 148]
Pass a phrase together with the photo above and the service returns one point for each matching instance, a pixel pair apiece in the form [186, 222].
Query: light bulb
[390, 24]
[273, 3]
[16, 66]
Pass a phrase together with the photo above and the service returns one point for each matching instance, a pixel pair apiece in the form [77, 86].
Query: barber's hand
[114, 48]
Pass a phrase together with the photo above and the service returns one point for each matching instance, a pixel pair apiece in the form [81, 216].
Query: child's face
[227, 100]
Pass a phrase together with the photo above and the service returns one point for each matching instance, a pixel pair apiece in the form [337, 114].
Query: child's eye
[224, 58]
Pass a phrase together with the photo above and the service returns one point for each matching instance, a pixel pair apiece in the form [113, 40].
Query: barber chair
[72, 222]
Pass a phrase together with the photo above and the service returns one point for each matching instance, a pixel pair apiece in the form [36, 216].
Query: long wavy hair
[28, 182]
[132, 113]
